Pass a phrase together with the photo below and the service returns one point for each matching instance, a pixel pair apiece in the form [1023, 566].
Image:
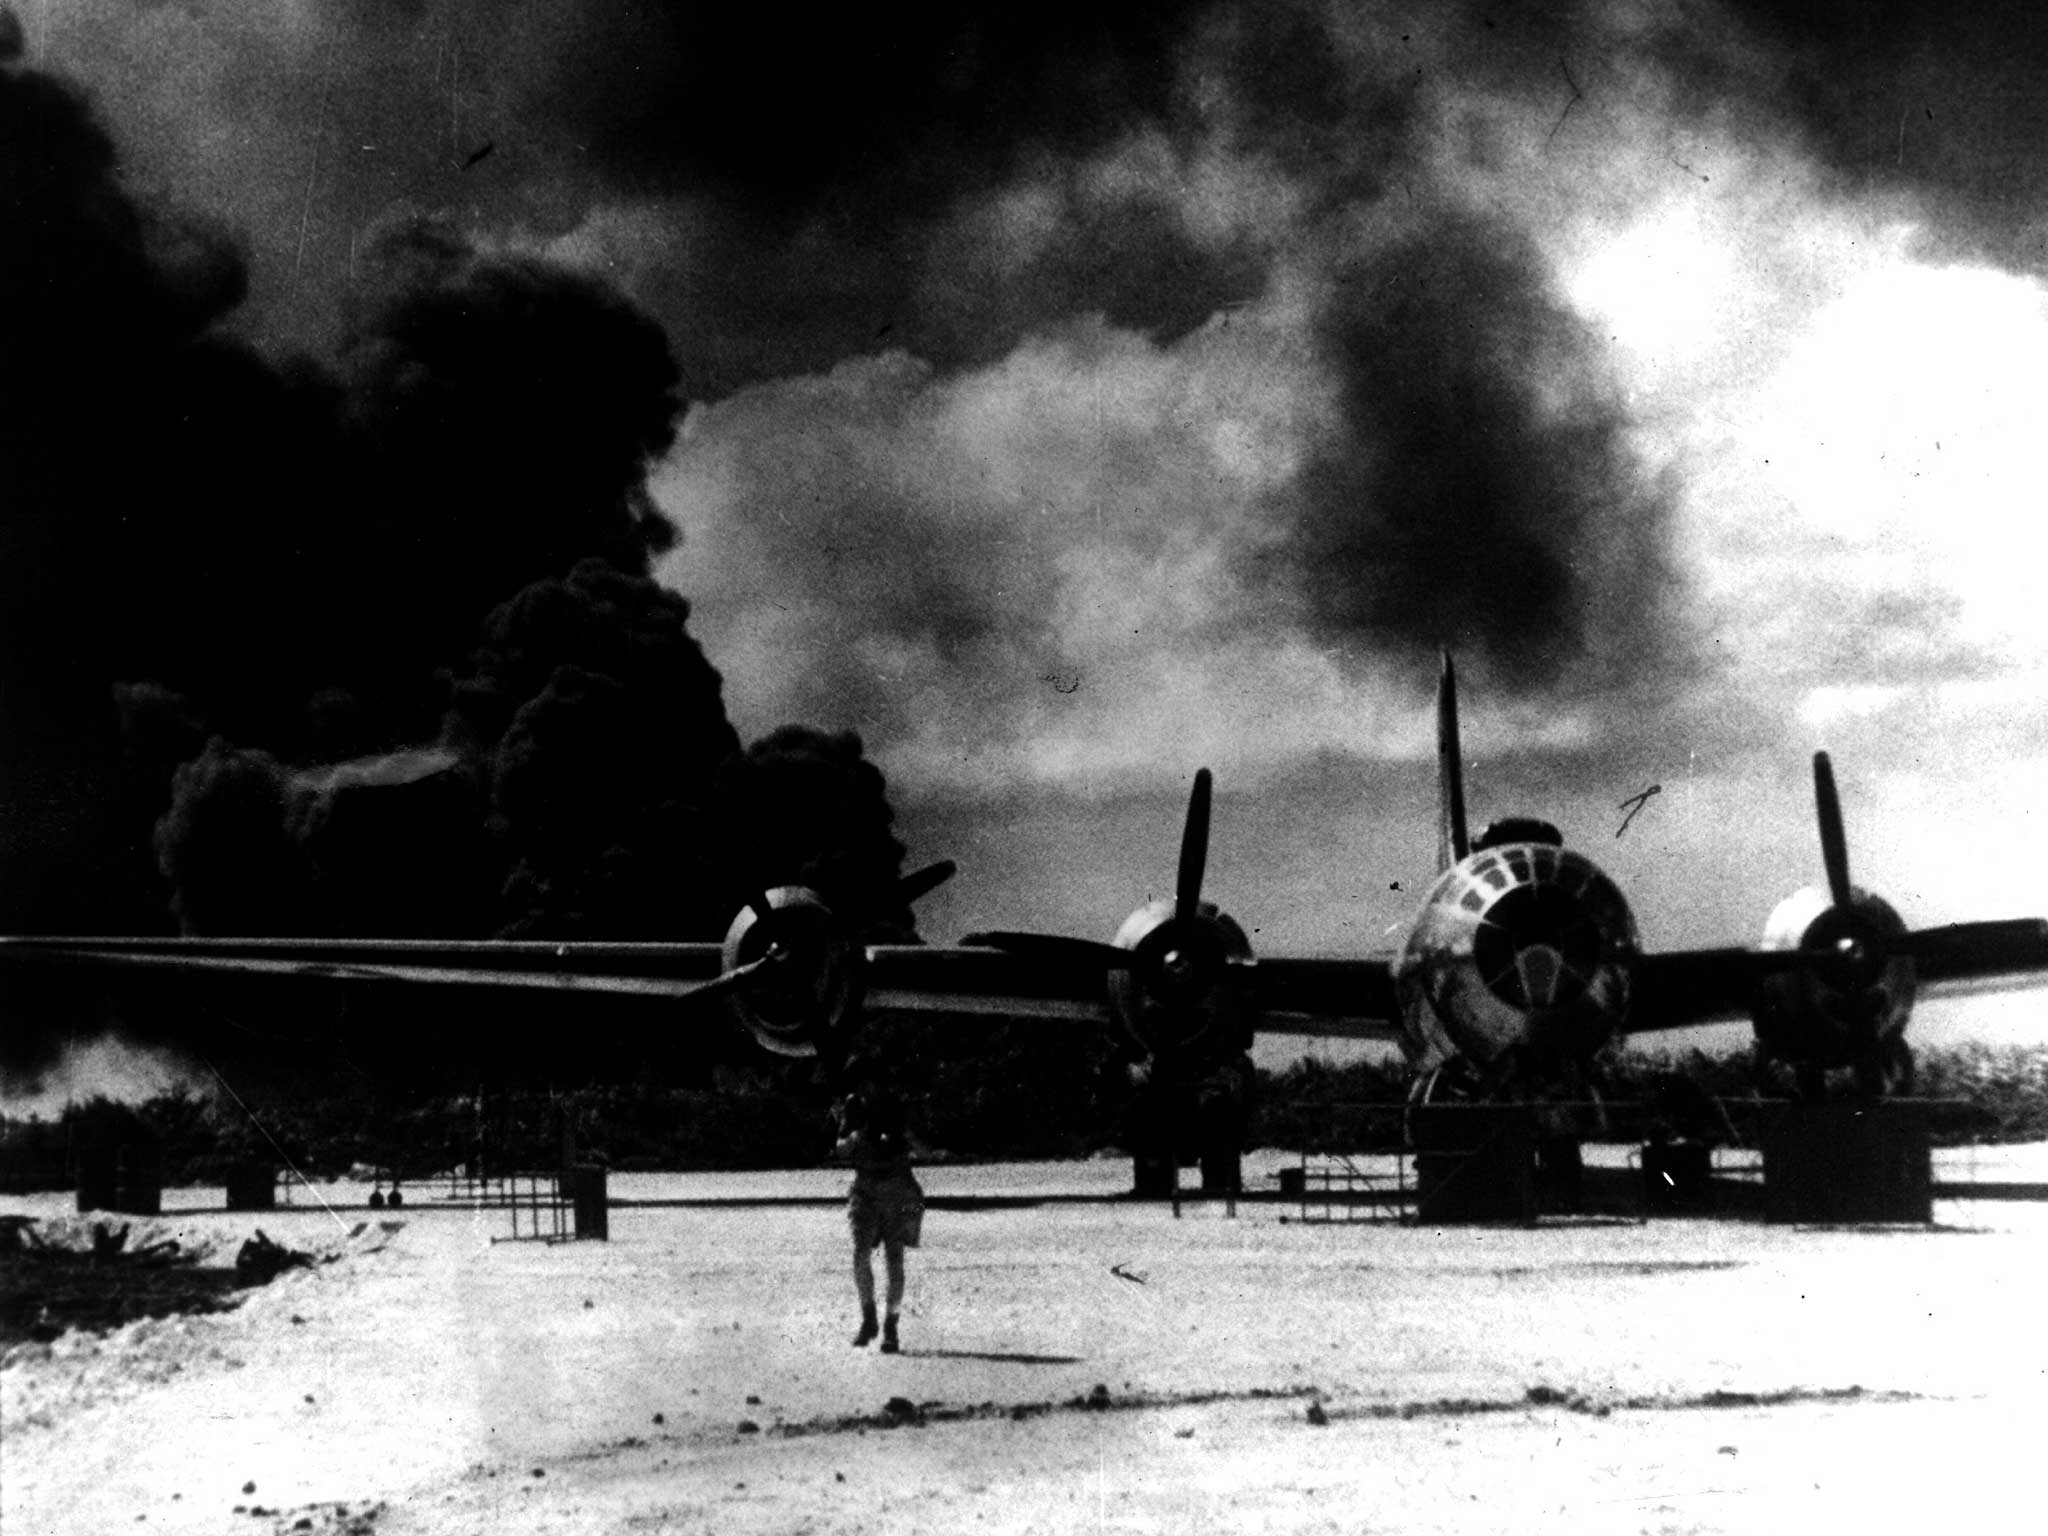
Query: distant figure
[885, 1205]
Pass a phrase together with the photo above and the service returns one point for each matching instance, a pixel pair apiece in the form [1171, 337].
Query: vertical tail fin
[1194, 853]
[1453, 840]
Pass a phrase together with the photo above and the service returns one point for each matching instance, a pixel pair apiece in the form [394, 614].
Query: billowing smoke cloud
[807, 808]
[109, 384]
[1494, 308]
[1479, 488]
[276, 553]
[1087, 395]
[226, 846]
[390, 846]
[1939, 101]
[503, 414]
[598, 728]
[799, 104]
[588, 785]
[104, 1067]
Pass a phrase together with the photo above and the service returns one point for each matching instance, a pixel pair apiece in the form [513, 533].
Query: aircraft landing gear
[1889, 1073]
[1173, 1120]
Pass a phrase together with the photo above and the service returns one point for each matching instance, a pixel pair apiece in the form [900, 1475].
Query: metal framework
[1340, 1190]
[539, 1204]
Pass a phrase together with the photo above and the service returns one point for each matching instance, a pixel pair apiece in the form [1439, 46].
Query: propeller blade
[730, 981]
[1054, 949]
[759, 905]
[921, 883]
[1194, 853]
[1834, 843]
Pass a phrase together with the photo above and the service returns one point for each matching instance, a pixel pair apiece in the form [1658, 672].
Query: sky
[1078, 397]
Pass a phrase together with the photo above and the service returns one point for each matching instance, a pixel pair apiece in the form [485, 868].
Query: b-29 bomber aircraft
[1522, 961]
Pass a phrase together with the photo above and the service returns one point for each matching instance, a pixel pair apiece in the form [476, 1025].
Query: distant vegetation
[1004, 1092]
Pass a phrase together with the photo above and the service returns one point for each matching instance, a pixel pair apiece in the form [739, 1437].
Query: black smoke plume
[1939, 101]
[227, 849]
[389, 846]
[599, 728]
[119, 562]
[500, 416]
[1478, 489]
[806, 807]
[788, 105]
[277, 553]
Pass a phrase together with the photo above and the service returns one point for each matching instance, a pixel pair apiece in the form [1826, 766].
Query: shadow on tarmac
[975, 1354]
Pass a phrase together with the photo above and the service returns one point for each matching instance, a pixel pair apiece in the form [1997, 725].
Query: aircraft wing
[646, 970]
[976, 979]
[1970, 955]
[1033, 976]
[1327, 999]
[1702, 986]
[1711, 986]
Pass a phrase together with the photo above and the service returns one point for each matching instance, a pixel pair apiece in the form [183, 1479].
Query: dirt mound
[99, 1275]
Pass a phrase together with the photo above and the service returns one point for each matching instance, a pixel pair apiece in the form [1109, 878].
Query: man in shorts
[885, 1205]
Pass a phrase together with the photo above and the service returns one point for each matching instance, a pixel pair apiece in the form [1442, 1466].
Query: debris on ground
[262, 1260]
[65, 1276]
[97, 1276]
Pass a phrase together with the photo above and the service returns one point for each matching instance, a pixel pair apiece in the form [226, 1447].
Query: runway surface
[1084, 1367]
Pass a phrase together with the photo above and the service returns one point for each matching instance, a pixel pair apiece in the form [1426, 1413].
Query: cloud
[1079, 393]
[1940, 102]
[1098, 551]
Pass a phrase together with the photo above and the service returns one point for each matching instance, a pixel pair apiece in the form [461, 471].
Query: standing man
[886, 1204]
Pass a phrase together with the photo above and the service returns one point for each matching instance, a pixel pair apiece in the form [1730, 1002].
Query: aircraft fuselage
[1523, 947]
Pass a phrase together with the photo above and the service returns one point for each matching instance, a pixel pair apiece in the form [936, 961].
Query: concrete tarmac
[1067, 1366]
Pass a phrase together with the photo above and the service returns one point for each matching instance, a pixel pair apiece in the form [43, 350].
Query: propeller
[1854, 946]
[1834, 843]
[1091, 954]
[1168, 975]
[920, 883]
[794, 973]
[1454, 840]
[1981, 949]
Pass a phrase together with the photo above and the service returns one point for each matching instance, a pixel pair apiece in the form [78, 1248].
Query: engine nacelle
[1848, 1008]
[803, 998]
[1525, 948]
[1178, 998]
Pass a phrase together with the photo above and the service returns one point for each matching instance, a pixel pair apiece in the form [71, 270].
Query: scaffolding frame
[1340, 1190]
[539, 1204]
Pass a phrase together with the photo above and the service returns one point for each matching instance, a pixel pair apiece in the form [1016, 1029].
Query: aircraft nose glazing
[1537, 947]
[1542, 971]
